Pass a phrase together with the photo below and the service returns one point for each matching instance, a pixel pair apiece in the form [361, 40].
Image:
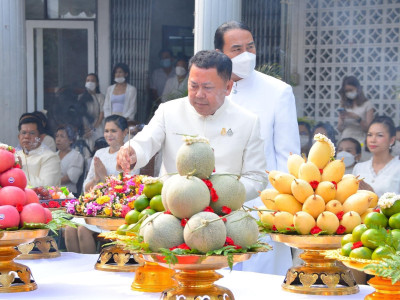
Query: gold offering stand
[15, 277]
[384, 289]
[196, 276]
[112, 258]
[318, 275]
[45, 247]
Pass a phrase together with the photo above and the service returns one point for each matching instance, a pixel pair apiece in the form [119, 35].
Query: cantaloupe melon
[242, 228]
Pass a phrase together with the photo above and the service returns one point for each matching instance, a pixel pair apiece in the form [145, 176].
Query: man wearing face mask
[349, 150]
[273, 101]
[176, 87]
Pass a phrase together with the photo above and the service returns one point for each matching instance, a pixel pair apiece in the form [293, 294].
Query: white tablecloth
[72, 276]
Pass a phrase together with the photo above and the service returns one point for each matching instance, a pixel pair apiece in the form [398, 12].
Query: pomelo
[7, 160]
[205, 232]
[12, 195]
[242, 228]
[9, 216]
[32, 213]
[13, 177]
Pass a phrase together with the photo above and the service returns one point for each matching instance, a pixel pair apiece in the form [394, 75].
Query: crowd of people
[249, 118]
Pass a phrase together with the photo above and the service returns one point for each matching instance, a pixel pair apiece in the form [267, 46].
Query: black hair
[359, 100]
[69, 130]
[28, 118]
[330, 131]
[354, 141]
[307, 125]
[124, 68]
[118, 120]
[397, 128]
[219, 33]
[387, 122]
[97, 90]
[99, 144]
[207, 59]
[165, 50]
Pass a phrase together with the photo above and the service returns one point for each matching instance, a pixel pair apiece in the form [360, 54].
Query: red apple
[33, 213]
[9, 216]
[49, 216]
[31, 196]
[7, 160]
[13, 177]
[12, 195]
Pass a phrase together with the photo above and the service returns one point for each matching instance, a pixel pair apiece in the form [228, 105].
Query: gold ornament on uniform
[223, 131]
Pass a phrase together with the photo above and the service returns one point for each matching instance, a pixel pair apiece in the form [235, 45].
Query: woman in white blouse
[71, 160]
[121, 96]
[382, 172]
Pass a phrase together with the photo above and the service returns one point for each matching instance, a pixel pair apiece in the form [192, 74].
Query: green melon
[203, 235]
[242, 228]
[231, 192]
[164, 190]
[186, 196]
[197, 157]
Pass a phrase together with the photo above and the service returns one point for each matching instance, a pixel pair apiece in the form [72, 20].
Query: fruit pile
[53, 193]
[202, 210]
[378, 236]
[315, 196]
[19, 205]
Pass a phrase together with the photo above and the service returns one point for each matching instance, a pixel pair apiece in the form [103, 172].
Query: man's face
[29, 136]
[206, 90]
[237, 41]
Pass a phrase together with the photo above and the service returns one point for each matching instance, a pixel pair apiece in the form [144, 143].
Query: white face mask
[243, 64]
[304, 140]
[180, 71]
[119, 79]
[91, 86]
[348, 160]
[351, 95]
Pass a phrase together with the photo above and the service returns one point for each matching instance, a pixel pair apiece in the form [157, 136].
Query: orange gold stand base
[116, 259]
[153, 278]
[45, 247]
[385, 290]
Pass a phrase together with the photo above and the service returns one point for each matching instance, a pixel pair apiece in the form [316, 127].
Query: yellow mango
[303, 222]
[267, 218]
[308, 171]
[346, 188]
[301, 190]
[293, 163]
[328, 222]
[286, 202]
[272, 175]
[283, 182]
[350, 220]
[283, 220]
[358, 202]
[334, 171]
[334, 206]
[374, 200]
[314, 205]
[267, 197]
[326, 190]
[320, 154]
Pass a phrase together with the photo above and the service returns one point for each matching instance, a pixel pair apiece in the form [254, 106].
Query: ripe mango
[286, 202]
[350, 220]
[314, 205]
[326, 190]
[334, 171]
[334, 206]
[301, 190]
[328, 222]
[308, 171]
[267, 197]
[303, 222]
[283, 220]
[282, 183]
[374, 200]
[358, 202]
[272, 175]
[293, 163]
[267, 218]
[320, 154]
[346, 188]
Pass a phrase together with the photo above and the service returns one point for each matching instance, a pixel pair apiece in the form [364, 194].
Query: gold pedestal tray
[15, 277]
[318, 275]
[112, 258]
[45, 247]
[384, 289]
[197, 275]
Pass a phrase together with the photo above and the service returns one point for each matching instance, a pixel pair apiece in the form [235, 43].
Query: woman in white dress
[382, 172]
[71, 160]
[121, 96]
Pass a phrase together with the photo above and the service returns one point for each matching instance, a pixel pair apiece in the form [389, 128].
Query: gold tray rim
[308, 241]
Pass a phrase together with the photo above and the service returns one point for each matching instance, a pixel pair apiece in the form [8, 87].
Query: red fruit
[48, 214]
[33, 213]
[12, 195]
[31, 196]
[7, 160]
[9, 216]
[13, 177]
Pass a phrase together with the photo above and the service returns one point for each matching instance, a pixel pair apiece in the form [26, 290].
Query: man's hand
[126, 159]
[365, 186]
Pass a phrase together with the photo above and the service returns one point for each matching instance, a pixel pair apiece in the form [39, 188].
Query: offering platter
[318, 275]
[15, 277]
[112, 258]
[384, 289]
[196, 275]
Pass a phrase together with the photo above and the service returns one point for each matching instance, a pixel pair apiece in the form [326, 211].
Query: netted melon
[186, 196]
[164, 190]
[205, 232]
[163, 231]
[231, 192]
[195, 157]
[242, 228]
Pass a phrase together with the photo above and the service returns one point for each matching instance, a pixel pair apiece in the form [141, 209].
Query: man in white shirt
[160, 75]
[269, 98]
[233, 132]
[40, 164]
[176, 87]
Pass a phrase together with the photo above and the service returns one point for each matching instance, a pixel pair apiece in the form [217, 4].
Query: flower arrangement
[113, 198]
[387, 200]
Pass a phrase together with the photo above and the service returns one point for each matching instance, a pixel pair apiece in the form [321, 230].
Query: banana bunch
[315, 195]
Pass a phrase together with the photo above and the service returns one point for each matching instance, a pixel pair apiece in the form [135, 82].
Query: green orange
[375, 219]
[348, 238]
[358, 231]
[156, 203]
[362, 252]
[382, 252]
[141, 203]
[394, 221]
[346, 249]
[146, 212]
[394, 209]
[372, 238]
[121, 229]
[152, 189]
[132, 216]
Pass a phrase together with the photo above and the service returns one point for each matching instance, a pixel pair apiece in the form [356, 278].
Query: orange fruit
[358, 231]
[132, 216]
[394, 221]
[371, 238]
[382, 252]
[346, 249]
[348, 238]
[152, 189]
[141, 203]
[394, 209]
[146, 212]
[375, 219]
[156, 203]
[121, 229]
[362, 252]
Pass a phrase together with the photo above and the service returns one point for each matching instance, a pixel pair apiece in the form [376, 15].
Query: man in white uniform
[273, 101]
[232, 131]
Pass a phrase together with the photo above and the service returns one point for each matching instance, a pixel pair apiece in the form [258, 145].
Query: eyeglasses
[30, 133]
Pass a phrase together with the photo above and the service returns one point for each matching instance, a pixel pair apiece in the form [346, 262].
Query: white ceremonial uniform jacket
[238, 153]
[41, 166]
[273, 102]
[130, 105]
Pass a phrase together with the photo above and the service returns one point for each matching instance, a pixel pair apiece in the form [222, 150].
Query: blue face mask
[165, 62]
